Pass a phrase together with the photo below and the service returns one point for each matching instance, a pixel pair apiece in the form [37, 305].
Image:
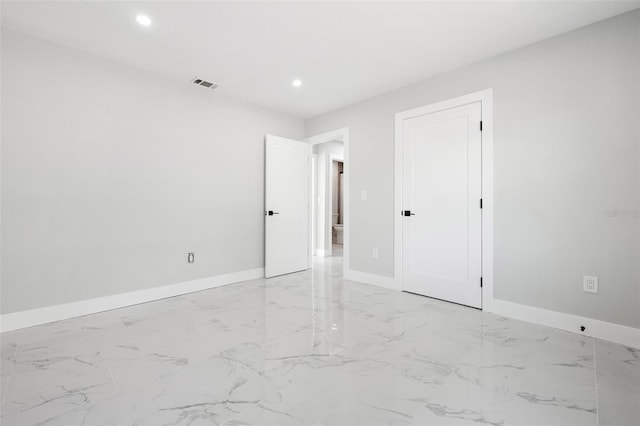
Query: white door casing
[442, 188]
[342, 135]
[287, 195]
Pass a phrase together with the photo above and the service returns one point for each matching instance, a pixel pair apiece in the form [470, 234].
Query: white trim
[340, 135]
[621, 334]
[373, 279]
[617, 333]
[32, 317]
[313, 203]
[485, 97]
[323, 253]
[333, 135]
[311, 209]
[595, 328]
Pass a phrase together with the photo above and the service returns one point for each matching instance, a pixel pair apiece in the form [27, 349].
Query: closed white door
[287, 184]
[441, 198]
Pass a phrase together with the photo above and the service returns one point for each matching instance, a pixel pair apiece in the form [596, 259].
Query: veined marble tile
[202, 411]
[618, 381]
[230, 378]
[311, 348]
[483, 386]
[7, 349]
[303, 341]
[204, 344]
[559, 384]
[222, 398]
[436, 356]
[64, 374]
[47, 331]
[49, 402]
[392, 398]
[347, 412]
[298, 378]
[266, 414]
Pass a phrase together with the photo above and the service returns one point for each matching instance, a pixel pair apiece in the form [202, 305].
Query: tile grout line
[595, 379]
[526, 370]
[6, 387]
[113, 381]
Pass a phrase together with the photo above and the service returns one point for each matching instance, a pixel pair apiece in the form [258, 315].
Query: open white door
[441, 191]
[287, 184]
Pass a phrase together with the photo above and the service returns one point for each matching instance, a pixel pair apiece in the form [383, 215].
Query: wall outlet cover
[590, 284]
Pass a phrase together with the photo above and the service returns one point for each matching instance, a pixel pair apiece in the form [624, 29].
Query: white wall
[110, 175]
[567, 136]
[323, 153]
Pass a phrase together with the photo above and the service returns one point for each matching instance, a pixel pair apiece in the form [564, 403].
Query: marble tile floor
[311, 348]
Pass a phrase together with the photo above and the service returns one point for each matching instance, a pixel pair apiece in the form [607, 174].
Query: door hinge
[480, 282]
[480, 125]
[480, 202]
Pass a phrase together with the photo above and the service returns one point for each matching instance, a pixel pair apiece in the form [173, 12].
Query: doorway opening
[330, 200]
[337, 207]
[327, 220]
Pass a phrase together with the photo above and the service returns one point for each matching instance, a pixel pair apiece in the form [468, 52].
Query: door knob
[271, 213]
[407, 213]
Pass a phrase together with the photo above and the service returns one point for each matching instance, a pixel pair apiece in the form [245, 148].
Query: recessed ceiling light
[297, 83]
[143, 20]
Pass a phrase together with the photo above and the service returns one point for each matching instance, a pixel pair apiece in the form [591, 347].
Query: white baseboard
[32, 317]
[621, 334]
[364, 277]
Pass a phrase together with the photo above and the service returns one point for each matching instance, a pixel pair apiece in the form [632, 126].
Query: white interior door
[287, 183]
[441, 192]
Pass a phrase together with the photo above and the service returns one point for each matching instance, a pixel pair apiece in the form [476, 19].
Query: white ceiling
[342, 51]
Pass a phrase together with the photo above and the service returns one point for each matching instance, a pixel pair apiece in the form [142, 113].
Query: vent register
[204, 83]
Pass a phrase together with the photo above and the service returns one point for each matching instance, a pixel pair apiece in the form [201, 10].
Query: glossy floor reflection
[310, 348]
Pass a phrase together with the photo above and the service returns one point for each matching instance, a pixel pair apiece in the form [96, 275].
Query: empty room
[320, 213]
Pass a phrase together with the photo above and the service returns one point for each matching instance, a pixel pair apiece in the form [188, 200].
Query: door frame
[342, 135]
[313, 205]
[485, 97]
[328, 203]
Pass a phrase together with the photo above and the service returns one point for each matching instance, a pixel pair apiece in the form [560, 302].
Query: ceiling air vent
[205, 83]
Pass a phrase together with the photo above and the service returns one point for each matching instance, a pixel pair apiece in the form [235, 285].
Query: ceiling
[342, 51]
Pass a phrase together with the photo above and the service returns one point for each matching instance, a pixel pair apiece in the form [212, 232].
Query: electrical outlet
[590, 284]
[374, 253]
[191, 257]
[363, 195]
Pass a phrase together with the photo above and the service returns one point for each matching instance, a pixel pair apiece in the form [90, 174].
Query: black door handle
[271, 213]
[407, 213]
